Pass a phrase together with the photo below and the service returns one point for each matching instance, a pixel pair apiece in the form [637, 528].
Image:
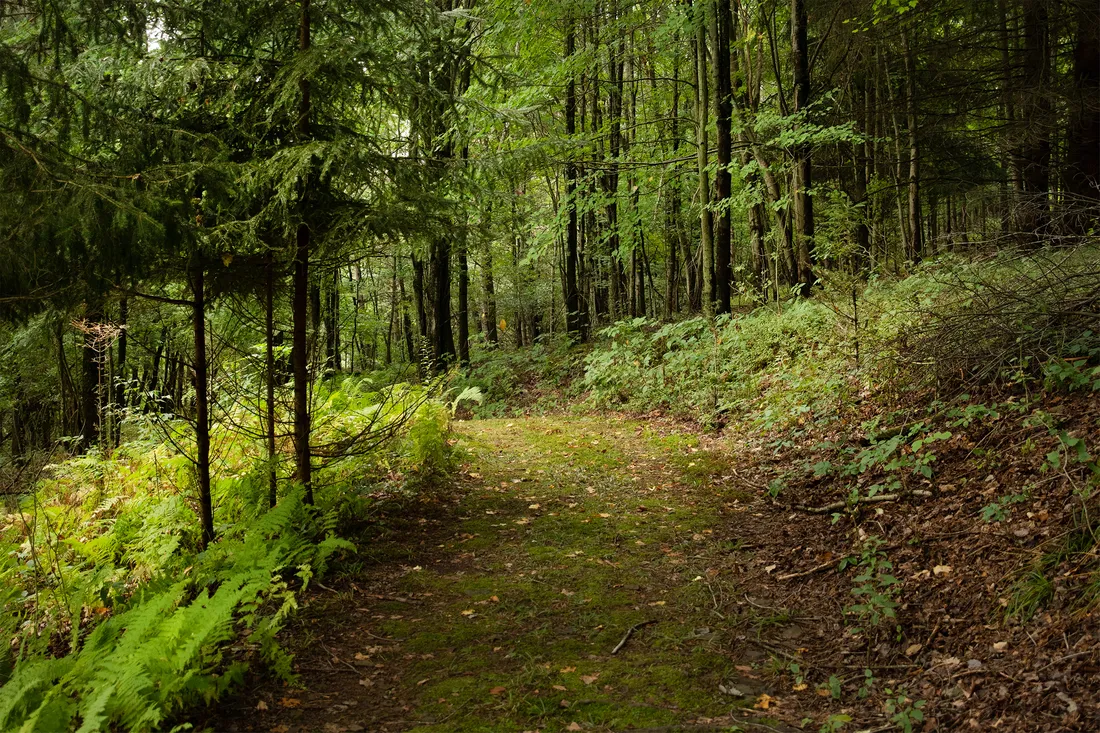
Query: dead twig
[811, 571]
[879, 499]
[629, 633]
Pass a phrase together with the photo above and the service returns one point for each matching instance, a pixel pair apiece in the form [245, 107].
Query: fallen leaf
[567, 670]
[497, 690]
[770, 568]
[468, 612]
[799, 687]
[421, 682]
[559, 688]
[564, 703]
[941, 570]
[366, 682]
[290, 702]
[574, 726]
[589, 678]
[261, 705]
[535, 506]
[1000, 646]
[765, 701]
[280, 729]
[913, 649]
[605, 515]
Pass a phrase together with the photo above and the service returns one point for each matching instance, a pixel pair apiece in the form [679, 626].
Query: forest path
[501, 604]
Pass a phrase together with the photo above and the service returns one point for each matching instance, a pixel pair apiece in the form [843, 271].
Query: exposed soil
[610, 574]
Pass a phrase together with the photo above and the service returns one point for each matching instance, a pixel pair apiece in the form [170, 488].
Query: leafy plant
[874, 585]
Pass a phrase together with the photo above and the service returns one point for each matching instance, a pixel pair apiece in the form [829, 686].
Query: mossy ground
[578, 530]
[561, 535]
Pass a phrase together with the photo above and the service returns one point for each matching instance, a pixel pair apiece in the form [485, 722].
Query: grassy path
[499, 606]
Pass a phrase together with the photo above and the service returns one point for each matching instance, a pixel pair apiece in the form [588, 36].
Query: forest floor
[609, 574]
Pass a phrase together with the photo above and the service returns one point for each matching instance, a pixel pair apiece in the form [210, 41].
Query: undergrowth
[117, 619]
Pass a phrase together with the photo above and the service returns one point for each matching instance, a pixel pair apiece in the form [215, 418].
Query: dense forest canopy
[275, 235]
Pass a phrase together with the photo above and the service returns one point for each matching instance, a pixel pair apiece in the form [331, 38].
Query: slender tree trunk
[1035, 172]
[723, 103]
[803, 167]
[92, 376]
[702, 110]
[300, 307]
[611, 177]
[488, 288]
[406, 324]
[574, 325]
[269, 376]
[1083, 135]
[202, 406]
[463, 302]
[916, 237]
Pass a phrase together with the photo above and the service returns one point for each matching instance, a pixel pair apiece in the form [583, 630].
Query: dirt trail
[574, 578]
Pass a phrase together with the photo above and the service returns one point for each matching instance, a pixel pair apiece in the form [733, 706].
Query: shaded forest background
[254, 256]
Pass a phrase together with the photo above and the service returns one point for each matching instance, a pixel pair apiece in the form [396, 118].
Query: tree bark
[803, 162]
[723, 103]
[1083, 135]
[574, 324]
[300, 306]
[702, 112]
[202, 406]
[269, 376]
[92, 375]
[1035, 163]
[916, 237]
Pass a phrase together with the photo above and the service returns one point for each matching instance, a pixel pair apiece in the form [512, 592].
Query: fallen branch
[630, 632]
[811, 571]
[880, 498]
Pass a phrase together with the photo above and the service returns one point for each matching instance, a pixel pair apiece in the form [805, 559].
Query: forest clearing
[549, 365]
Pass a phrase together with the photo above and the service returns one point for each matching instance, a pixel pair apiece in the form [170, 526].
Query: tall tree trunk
[269, 376]
[406, 324]
[574, 324]
[916, 237]
[463, 302]
[202, 406]
[611, 177]
[702, 112]
[300, 306]
[1035, 173]
[443, 343]
[488, 287]
[1083, 135]
[803, 163]
[723, 107]
[420, 296]
[1010, 218]
[92, 375]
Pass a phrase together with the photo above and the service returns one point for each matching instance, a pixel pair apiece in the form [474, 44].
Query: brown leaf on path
[765, 701]
[261, 705]
[498, 690]
[559, 688]
[290, 702]
[589, 678]
[574, 726]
